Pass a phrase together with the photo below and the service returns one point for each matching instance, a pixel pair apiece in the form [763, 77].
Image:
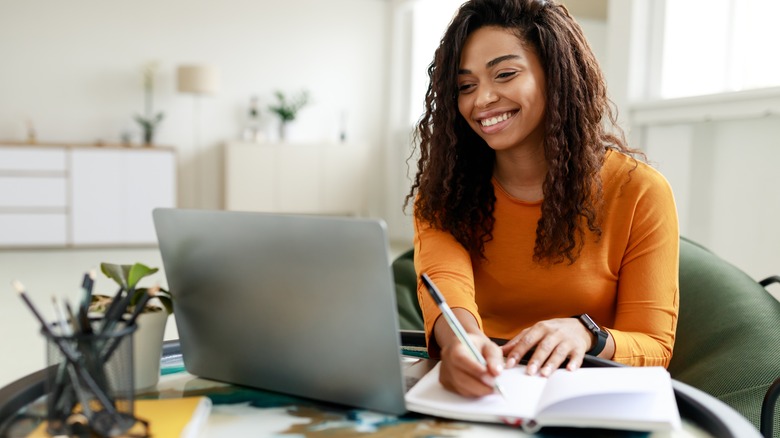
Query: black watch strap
[601, 335]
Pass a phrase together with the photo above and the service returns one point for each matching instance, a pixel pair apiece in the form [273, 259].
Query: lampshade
[197, 79]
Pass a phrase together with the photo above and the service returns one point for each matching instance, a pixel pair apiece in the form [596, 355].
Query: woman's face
[501, 89]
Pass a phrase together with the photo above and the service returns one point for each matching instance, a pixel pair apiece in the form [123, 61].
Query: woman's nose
[485, 96]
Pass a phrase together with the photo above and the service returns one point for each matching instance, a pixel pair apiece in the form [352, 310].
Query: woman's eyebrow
[501, 59]
[491, 63]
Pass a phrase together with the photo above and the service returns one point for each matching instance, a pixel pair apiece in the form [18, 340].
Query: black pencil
[69, 355]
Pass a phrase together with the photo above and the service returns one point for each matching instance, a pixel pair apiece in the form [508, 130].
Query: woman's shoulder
[628, 173]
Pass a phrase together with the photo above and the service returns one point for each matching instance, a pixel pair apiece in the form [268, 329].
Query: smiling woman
[501, 95]
[538, 223]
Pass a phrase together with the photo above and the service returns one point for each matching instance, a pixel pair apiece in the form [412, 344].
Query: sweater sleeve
[448, 264]
[648, 295]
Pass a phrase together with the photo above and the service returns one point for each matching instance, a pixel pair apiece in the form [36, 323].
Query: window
[715, 46]
[430, 20]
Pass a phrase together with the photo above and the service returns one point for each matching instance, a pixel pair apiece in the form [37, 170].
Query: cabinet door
[32, 158]
[345, 180]
[150, 182]
[114, 192]
[299, 179]
[33, 192]
[33, 229]
[250, 177]
[33, 196]
[98, 196]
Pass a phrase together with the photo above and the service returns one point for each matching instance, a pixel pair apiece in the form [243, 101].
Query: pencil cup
[90, 381]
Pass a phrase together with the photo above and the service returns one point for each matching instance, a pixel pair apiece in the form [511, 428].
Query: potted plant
[149, 120]
[155, 304]
[287, 109]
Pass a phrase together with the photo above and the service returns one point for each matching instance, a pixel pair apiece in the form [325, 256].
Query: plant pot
[147, 348]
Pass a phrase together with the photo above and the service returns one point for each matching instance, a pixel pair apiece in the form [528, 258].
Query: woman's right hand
[460, 372]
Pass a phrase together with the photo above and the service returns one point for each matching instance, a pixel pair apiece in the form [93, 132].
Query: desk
[240, 411]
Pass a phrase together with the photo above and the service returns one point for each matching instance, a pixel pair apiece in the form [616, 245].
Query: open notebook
[630, 398]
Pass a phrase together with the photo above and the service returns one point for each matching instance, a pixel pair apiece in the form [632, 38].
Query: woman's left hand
[554, 341]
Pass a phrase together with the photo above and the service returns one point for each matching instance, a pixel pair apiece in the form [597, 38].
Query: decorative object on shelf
[31, 136]
[125, 138]
[148, 315]
[287, 109]
[149, 120]
[343, 126]
[198, 80]
[252, 131]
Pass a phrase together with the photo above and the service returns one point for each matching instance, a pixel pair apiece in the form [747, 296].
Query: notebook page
[523, 393]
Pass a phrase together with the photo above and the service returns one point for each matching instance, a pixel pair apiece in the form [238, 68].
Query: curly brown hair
[452, 189]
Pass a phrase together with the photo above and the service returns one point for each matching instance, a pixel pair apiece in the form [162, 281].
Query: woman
[528, 211]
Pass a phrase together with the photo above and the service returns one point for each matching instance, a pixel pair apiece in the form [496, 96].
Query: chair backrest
[409, 313]
[728, 332]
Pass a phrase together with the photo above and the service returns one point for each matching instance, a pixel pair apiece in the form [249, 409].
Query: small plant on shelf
[149, 120]
[287, 109]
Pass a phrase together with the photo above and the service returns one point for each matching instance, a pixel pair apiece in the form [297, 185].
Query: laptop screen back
[302, 305]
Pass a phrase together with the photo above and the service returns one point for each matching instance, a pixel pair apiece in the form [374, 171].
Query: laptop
[302, 305]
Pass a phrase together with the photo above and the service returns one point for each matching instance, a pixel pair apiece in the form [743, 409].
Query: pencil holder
[90, 381]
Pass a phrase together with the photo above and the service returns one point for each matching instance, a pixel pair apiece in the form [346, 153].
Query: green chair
[409, 313]
[728, 335]
[728, 332]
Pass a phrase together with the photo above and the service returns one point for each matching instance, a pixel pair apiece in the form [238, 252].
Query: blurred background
[696, 85]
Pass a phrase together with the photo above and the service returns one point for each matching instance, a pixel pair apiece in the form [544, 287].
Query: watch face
[589, 323]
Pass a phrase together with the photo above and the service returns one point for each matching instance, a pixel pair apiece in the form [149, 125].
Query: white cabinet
[83, 195]
[33, 196]
[296, 178]
[115, 191]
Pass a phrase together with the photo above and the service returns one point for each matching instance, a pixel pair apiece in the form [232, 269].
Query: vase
[148, 136]
[147, 348]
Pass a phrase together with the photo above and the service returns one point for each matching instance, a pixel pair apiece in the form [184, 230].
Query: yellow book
[168, 418]
[174, 417]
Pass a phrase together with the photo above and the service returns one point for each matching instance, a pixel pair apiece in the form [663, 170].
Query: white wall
[719, 152]
[74, 69]
[724, 177]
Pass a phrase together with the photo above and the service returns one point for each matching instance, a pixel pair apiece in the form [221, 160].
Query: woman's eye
[506, 75]
[465, 88]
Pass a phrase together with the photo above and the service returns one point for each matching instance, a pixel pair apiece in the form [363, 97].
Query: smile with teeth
[494, 120]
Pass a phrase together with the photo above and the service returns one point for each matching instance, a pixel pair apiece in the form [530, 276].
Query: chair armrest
[769, 280]
[768, 409]
[412, 338]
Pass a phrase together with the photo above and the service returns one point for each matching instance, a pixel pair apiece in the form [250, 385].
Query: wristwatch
[601, 335]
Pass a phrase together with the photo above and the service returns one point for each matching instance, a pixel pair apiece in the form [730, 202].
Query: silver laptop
[302, 305]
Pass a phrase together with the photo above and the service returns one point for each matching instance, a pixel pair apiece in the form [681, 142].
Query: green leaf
[137, 272]
[287, 109]
[138, 295]
[116, 273]
[167, 302]
[128, 277]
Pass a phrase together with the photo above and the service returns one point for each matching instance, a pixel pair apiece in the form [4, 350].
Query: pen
[455, 325]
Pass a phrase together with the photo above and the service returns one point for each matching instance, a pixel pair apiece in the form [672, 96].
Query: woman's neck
[521, 172]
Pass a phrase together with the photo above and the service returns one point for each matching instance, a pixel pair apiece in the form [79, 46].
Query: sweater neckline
[500, 189]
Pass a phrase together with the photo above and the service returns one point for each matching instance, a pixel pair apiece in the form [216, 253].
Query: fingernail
[532, 368]
[546, 370]
[488, 380]
[510, 362]
[500, 368]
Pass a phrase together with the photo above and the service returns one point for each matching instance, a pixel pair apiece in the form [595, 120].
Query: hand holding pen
[457, 327]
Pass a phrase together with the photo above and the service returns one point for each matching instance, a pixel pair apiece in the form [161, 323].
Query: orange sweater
[627, 280]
